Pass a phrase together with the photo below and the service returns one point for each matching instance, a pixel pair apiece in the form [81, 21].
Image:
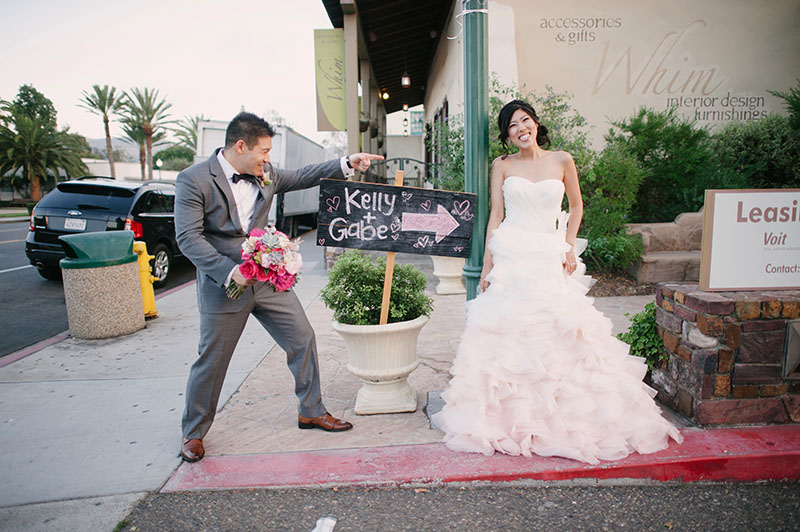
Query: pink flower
[281, 282]
[257, 232]
[261, 275]
[248, 269]
[293, 266]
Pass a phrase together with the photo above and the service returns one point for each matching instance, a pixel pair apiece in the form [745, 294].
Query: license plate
[78, 224]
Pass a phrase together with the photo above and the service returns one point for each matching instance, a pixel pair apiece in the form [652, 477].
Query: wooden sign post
[387, 277]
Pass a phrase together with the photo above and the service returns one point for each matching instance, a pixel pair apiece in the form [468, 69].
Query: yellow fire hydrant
[146, 280]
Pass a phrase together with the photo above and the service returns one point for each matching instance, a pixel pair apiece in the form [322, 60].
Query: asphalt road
[650, 507]
[33, 308]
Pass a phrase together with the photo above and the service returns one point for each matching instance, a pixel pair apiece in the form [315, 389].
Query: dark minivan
[93, 203]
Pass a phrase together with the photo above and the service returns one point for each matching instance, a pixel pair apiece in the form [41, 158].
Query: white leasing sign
[751, 240]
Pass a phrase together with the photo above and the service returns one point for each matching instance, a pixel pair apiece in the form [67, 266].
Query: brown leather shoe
[192, 450]
[324, 422]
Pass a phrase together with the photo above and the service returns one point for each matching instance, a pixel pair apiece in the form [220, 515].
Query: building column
[476, 131]
[351, 78]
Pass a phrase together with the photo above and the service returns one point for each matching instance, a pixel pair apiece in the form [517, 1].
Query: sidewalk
[89, 427]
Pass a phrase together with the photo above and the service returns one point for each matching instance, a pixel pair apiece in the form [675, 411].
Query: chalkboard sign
[388, 218]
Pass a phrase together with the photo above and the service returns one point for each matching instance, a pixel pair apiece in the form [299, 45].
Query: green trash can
[101, 284]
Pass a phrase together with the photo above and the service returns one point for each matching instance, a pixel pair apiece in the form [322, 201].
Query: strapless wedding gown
[538, 369]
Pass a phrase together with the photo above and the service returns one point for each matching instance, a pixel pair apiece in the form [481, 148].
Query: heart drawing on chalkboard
[426, 204]
[333, 203]
[461, 206]
[395, 237]
[321, 241]
[407, 196]
[467, 216]
[395, 227]
[459, 248]
[422, 241]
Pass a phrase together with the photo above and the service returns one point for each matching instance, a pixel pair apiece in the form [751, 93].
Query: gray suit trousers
[283, 317]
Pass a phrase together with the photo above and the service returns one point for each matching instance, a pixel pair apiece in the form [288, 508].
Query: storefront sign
[751, 240]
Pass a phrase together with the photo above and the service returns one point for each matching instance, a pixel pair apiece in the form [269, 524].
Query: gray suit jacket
[207, 223]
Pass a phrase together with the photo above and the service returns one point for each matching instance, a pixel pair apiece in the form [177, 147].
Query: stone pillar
[725, 355]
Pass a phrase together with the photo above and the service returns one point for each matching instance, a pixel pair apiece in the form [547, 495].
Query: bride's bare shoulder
[563, 156]
[501, 161]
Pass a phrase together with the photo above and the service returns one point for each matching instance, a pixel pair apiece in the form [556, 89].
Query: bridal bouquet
[269, 256]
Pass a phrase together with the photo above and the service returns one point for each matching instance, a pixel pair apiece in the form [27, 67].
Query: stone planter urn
[383, 356]
[449, 271]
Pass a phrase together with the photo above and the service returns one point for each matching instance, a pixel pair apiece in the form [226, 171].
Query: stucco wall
[713, 59]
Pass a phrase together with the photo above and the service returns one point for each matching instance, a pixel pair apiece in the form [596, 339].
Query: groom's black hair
[249, 128]
[504, 119]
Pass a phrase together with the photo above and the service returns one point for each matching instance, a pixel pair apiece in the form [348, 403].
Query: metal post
[476, 130]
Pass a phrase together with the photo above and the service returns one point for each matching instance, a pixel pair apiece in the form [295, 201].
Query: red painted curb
[731, 455]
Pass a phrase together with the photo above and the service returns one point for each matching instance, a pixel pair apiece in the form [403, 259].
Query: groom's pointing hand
[362, 161]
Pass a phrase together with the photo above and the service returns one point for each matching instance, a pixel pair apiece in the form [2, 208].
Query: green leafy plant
[643, 337]
[610, 191]
[355, 290]
[761, 153]
[676, 156]
[792, 103]
[613, 252]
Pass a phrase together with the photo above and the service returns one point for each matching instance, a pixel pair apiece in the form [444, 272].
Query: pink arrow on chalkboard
[442, 223]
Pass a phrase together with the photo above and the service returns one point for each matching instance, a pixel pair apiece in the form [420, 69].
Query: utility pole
[476, 130]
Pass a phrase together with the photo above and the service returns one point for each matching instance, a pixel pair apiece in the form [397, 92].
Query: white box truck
[292, 210]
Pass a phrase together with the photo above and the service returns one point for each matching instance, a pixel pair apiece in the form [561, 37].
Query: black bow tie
[246, 177]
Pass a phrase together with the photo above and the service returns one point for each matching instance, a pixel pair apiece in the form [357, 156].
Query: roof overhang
[400, 36]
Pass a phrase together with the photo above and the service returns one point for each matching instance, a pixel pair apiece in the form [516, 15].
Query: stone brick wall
[725, 355]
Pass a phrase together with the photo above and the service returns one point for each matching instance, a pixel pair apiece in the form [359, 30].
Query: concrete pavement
[88, 427]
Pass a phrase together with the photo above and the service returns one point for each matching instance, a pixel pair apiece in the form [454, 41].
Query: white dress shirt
[245, 193]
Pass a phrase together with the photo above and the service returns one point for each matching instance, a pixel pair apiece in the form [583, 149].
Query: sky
[209, 57]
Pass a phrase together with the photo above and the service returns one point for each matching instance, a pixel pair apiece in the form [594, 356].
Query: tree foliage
[32, 151]
[104, 101]
[176, 157]
[792, 100]
[676, 157]
[35, 105]
[186, 132]
[145, 111]
[38, 153]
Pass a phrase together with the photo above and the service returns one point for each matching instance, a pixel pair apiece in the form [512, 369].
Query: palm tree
[143, 108]
[38, 150]
[5, 111]
[135, 133]
[104, 102]
[187, 131]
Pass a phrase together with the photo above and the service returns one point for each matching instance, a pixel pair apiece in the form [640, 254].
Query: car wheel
[161, 263]
[51, 273]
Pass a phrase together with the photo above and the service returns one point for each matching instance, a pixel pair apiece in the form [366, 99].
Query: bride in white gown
[538, 370]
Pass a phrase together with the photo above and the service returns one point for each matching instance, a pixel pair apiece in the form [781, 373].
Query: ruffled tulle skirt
[538, 370]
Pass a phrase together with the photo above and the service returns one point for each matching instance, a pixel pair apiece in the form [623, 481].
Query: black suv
[94, 203]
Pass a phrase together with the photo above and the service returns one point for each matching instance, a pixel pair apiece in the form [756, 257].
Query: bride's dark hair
[504, 119]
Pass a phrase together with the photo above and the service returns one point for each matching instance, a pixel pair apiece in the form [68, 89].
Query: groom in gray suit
[217, 202]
